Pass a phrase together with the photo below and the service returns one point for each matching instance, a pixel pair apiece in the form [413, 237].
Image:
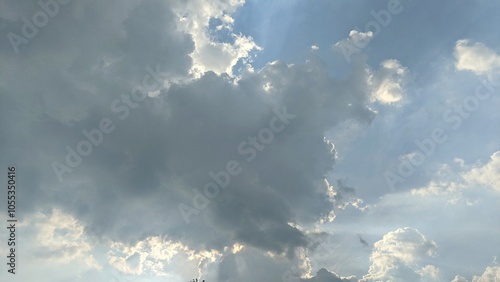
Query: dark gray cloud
[156, 158]
[158, 152]
[78, 73]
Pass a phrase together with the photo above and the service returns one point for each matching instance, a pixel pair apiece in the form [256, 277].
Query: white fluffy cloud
[458, 193]
[211, 52]
[492, 273]
[465, 182]
[323, 275]
[399, 256]
[157, 256]
[52, 238]
[476, 57]
[388, 82]
[488, 174]
[60, 238]
[354, 44]
[459, 278]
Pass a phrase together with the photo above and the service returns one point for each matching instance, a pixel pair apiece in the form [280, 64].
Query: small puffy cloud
[323, 275]
[398, 256]
[455, 185]
[488, 174]
[476, 57]
[459, 278]
[492, 273]
[214, 53]
[60, 238]
[430, 273]
[356, 41]
[387, 82]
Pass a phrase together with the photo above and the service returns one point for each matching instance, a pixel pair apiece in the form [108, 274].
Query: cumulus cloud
[459, 193]
[129, 187]
[388, 82]
[399, 256]
[60, 238]
[459, 278]
[465, 182]
[492, 273]
[476, 57]
[323, 275]
[488, 174]
[212, 52]
[157, 256]
[52, 238]
[161, 75]
[353, 45]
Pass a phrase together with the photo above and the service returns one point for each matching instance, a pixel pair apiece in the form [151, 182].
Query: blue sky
[252, 140]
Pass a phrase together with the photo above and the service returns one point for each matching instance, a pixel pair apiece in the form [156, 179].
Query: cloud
[129, 187]
[459, 278]
[492, 273]
[476, 57]
[120, 206]
[458, 192]
[212, 52]
[488, 174]
[54, 238]
[353, 45]
[465, 183]
[388, 82]
[398, 256]
[323, 275]
[158, 256]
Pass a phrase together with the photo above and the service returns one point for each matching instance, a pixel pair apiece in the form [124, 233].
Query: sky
[233, 140]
